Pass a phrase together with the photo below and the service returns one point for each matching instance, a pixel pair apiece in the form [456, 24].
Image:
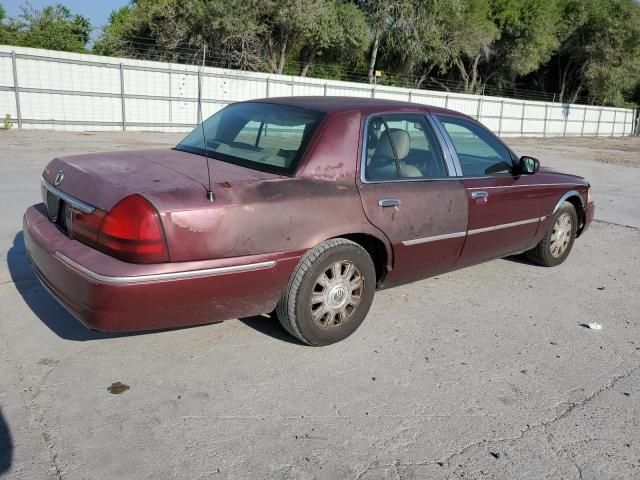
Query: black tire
[294, 308]
[542, 253]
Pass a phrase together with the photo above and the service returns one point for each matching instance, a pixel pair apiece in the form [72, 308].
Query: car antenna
[210, 196]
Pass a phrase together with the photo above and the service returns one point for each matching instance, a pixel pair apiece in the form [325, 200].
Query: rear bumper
[108, 294]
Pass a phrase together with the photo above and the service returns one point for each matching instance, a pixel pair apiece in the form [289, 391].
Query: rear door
[504, 207]
[409, 191]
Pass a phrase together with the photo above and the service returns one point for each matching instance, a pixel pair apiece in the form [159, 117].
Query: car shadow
[520, 258]
[47, 308]
[6, 446]
[270, 326]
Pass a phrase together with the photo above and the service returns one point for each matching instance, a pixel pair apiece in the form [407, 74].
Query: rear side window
[263, 136]
[480, 153]
[402, 147]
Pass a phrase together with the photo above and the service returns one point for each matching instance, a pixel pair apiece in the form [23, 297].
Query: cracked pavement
[481, 373]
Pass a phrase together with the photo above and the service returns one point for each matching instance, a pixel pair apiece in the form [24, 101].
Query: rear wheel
[555, 247]
[329, 294]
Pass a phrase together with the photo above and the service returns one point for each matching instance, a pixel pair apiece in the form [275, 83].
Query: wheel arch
[376, 248]
[575, 199]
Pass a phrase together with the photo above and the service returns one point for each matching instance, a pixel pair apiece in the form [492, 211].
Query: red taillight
[132, 231]
[86, 226]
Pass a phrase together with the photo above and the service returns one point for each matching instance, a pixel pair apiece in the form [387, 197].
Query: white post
[170, 96]
[544, 131]
[500, 119]
[584, 118]
[199, 112]
[122, 100]
[16, 88]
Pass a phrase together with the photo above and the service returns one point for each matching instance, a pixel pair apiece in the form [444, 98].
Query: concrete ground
[481, 373]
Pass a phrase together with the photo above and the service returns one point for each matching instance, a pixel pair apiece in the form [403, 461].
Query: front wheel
[554, 248]
[329, 294]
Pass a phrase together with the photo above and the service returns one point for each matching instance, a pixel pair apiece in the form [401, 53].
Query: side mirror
[528, 165]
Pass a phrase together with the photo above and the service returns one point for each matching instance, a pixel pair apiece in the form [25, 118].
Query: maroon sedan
[312, 204]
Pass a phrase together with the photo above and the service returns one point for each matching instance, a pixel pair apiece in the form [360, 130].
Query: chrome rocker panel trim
[158, 277]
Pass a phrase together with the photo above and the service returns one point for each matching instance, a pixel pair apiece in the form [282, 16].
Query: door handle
[388, 202]
[479, 194]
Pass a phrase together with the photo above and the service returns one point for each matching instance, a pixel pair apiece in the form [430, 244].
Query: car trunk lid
[102, 179]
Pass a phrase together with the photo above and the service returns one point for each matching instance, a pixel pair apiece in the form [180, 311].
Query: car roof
[331, 105]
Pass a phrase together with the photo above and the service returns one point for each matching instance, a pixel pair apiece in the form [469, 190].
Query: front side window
[479, 152]
[263, 136]
[402, 147]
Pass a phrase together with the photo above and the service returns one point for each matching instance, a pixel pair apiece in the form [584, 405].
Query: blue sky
[96, 10]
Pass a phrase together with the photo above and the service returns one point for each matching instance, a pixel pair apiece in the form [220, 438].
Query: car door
[409, 191]
[503, 206]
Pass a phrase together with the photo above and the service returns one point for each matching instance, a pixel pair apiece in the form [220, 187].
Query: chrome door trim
[74, 202]
[521, 186]
[449, 144]
[416, 241]
[569, 194]
[157, 277]
[446, 236]
[448, 152]
[505, 225]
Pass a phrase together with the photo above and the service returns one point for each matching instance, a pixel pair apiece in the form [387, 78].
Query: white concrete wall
[70, 91]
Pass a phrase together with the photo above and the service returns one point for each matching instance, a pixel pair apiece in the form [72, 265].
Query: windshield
[263, 136]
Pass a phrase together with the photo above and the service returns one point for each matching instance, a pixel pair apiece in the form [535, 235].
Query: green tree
[599, 52]
[109, 42]
[179, 31]
[528, 36]
[287, 23]
[422, 44]
[471, 34]
[571, 47]
[5, 36]
[340, 28]
[54, 27]
[390, 23]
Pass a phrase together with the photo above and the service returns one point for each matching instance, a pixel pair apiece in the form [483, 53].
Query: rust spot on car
[117, 388]
[225, 184]
[342, 187]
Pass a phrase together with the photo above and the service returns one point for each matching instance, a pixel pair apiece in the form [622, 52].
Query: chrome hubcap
[336, 294]
[561, 235]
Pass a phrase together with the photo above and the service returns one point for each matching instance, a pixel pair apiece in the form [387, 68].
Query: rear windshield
[263, 136]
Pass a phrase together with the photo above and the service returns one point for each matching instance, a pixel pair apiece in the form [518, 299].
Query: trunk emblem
[59, 178]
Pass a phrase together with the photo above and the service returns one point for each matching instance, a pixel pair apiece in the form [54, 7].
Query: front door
[504, 208]
[407, 193]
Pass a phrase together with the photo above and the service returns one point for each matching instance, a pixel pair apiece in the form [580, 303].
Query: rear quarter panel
[276, 215]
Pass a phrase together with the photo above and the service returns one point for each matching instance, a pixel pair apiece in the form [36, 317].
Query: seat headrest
[401, 141]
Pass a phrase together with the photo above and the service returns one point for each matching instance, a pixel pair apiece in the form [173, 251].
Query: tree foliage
[53, 27]
[572, 49]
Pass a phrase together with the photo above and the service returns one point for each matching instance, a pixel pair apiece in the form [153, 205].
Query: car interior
[408, 141]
